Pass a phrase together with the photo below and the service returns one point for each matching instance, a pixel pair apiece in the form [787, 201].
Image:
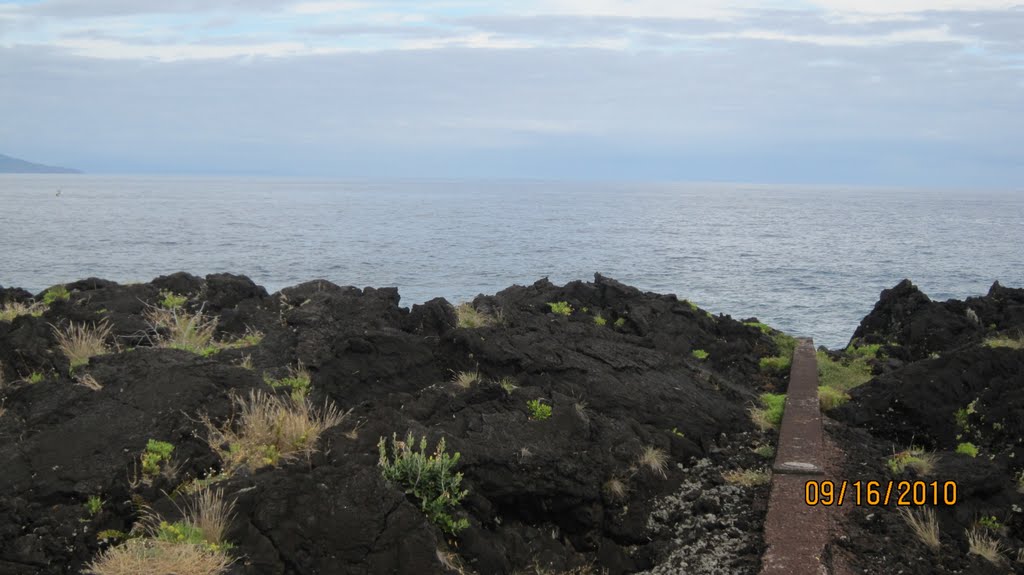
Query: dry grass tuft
[210, 513]
[654, 459]
[924, 524]
[141, 556]
[12, 309]
[916, 458]
[469, 317]
[508, 383]
[981, 544]
[270, 429]
[615, 489]
[747, 477]
[89, 381]
[79, 342]
[183, 330]
[247, 363]
[466, 379]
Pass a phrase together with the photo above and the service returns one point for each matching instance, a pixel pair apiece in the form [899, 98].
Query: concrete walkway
[795, 532]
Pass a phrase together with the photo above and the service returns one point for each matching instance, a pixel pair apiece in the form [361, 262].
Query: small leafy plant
[538, 411]
[172, 300]
[620, 322]
[427, 477]
[990, 522]
[967, 448]
[599, 320]
[561, 308]
[700, 354]
[157, 452]
[35, 377]
[94, 504]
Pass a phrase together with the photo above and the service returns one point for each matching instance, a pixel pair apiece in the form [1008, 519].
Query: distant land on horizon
[9, 165]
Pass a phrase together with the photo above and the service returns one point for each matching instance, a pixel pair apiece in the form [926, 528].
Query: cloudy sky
[887, 92]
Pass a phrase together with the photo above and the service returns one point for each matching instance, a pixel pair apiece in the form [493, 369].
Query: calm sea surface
[809, 260]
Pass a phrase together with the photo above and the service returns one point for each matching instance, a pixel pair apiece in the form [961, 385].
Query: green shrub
[428, 478]
[967, 448]
[156, 453]
[561, 308]
[600, 320]
[831, 398]
[172, 300]
[538, 410]
[699, 354]
[769, 414]
[55, 294]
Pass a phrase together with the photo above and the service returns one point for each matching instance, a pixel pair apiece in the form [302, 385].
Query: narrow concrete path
[796, 533]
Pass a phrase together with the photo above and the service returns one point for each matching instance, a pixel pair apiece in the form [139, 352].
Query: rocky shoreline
[599, 429]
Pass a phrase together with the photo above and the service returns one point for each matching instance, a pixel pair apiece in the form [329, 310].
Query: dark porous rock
[14, 295]
[228, 290]
[180, 283]
[624, 475]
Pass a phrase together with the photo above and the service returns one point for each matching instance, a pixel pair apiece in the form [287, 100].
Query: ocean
[810, 260]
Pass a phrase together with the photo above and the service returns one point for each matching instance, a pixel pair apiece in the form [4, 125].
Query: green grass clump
[842, 376]
[699, 354]
[869, 351]
[693, 306]
[172, 300]
[1012, 342]
[427, 477]
[55, 294]
[156, 453]
[561, 308]
[769, 414]
[620, 322]
[967, 448]
[831, 398]
[35, 377]
[297, 381]
[508, 383]
[765, 451]
[538, 411]
[600, 320]
[765, 328]
[915, 458]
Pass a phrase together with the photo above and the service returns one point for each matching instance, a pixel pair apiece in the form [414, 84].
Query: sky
[864, 92]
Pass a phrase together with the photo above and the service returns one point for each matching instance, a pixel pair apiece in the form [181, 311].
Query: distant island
[9, 165]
